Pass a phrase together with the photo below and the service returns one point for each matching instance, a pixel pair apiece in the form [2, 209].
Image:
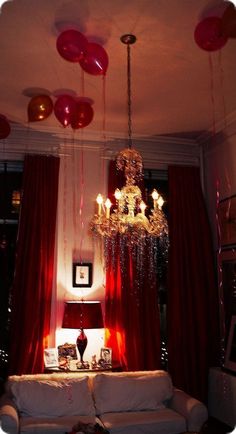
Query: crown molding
[157, 151]
[226, 126]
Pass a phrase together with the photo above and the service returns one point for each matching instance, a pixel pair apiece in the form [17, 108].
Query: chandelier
[128, 215]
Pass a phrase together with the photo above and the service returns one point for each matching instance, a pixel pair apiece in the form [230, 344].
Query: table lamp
[82, 315]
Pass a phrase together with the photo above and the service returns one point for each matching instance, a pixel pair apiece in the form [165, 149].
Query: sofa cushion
[163, 421]
[59, 425]
[53, 398]
[114, 393]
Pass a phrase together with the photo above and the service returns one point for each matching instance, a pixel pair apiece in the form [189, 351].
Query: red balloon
[229, 21]
[5, 128]
[71, 45]
[39, 108]
[208, 34]
[82, 116]
[64, 108]
[95, 60]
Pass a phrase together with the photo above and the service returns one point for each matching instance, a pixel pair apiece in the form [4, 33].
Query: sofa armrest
[194, 411]
[9, 416]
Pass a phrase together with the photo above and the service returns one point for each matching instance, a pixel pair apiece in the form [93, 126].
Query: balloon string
[220, 278]
[103, 130]
[81, 197]
[82, 83]
[64, 215]
[222, 86]
[212, 94]
[74, 187]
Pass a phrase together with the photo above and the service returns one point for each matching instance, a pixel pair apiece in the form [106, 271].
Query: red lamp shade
[82, 315]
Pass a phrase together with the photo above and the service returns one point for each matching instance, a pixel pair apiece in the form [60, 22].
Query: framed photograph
[82, 275]
[230, 356]
[227, 221]
[50, 357]
[106, 357]
[67, 350]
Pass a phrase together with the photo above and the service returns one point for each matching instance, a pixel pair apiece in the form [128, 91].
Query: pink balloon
[5, 128]
[95, 60]
[82, 116]
[71, 45]
[64, 108]
[208, 34]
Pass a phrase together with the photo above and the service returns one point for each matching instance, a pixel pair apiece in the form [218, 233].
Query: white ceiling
[177, 88]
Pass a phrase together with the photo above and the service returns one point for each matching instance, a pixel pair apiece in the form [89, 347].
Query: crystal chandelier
[128, 215]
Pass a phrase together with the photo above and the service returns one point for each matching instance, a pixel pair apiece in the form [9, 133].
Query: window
[158, 179]
[10, 196]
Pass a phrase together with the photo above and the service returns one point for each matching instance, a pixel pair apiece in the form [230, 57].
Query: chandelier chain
[129, 96]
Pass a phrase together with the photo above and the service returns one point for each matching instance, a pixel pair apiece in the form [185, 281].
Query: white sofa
[124, 403]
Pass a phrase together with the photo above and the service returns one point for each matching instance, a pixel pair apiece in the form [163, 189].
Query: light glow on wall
[234, 2]
[1, 3]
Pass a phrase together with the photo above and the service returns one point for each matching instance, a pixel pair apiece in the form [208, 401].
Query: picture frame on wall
[82, 275]
[227, 221]
[230, 356]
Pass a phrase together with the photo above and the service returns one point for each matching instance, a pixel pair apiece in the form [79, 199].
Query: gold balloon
[39, 108]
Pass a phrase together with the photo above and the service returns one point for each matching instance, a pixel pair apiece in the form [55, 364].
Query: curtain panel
[193, 302]
[32, 285]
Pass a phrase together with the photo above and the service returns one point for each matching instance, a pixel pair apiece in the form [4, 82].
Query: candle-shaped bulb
[143, 207]
[117, 194]
[155, 196]
[160, 202]
[108, 206]
[99, 202]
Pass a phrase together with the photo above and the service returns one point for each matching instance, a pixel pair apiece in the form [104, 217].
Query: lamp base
[81, 343]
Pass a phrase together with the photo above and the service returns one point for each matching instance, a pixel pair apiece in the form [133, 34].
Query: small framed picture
[50, 357]
[106, 357]
[67, 350]
[82, 275]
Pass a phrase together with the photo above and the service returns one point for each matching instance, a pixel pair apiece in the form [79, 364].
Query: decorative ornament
[5, 127]
[95, 60]
[208, 34]
[71, 45]
[130, 161]
[39, 108]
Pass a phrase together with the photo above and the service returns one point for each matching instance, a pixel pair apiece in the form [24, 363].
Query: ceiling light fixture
[128, 216]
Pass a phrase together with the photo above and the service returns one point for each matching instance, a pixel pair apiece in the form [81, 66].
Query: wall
[219, 158]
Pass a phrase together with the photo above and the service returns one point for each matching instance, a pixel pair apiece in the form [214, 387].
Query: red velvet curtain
[192, 309]
[131, 306]
[32, 286]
